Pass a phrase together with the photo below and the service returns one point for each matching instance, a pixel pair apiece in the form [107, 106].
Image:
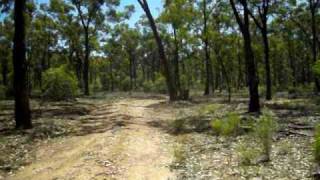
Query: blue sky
[155, 7]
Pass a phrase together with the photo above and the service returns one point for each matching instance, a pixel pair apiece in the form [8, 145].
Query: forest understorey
[137, 135]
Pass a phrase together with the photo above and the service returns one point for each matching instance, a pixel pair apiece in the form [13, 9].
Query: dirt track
[132, 149]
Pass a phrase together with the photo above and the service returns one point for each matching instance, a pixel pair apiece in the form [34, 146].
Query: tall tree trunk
[267, 62]
[209, 89]
[22, 106]
[86, 64]
[291, 62]
[166, 70]
[224, 72]
[263, 11]
[314, 38]
[208, 85]
[176, 61]
[254, 105]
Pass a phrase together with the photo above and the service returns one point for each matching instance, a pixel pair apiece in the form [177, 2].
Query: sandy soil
[132, 149]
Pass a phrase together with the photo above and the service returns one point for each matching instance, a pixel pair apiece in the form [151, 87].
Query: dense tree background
[253, 47]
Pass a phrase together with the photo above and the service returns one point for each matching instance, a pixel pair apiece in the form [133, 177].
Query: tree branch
[236, 14]
[256, 21]
[78, 6]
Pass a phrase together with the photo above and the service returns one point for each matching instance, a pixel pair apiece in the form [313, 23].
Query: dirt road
[134, 148]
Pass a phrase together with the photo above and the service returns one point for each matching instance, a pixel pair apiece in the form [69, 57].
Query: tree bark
[22, 106]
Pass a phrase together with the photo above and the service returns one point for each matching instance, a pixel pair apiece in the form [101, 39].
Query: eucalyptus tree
[222, 43]
[178, 14]
[70, 32]
[42, 39]
[204, 8]
[260, 12]
[304, 15]
[22, 105]
[91, 17]
[130, 39]
[314, 5]
[20, 67]
[165, 68]
[243, 21]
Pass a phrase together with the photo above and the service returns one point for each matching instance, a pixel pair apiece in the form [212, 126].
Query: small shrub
[179, 155]
[217, 126]
[147, 86]
[125, 84]
[247, 154]
[178, 125]
[294, 92]
[208, 109]
[317, 144]
[59, 84]
[284, 148]
[227, 126]
[160, 84]
[264, 130]
[96, 86]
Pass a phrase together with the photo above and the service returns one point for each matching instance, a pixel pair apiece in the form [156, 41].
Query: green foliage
[125, 84]
[2, 92]
[227, 126]
[246, 153]
[317, 144]
[178, 125]
[60, 84]
[217, 126]
[316, 68]
[284, 148]
[208, 109]
[105, 81]
[96, 85]
[184, 82]
[147, 86]
[299, 90]
[179, 155]
[264, 130]
[159, 85]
